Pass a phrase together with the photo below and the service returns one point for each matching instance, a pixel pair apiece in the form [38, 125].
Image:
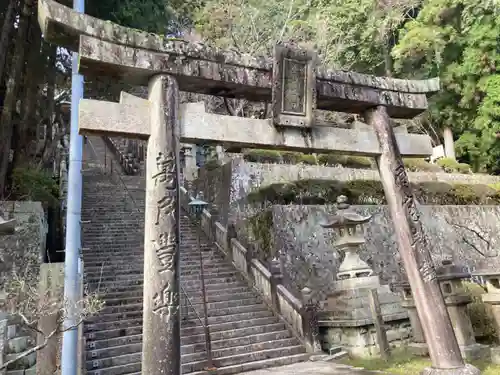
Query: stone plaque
[294, 86]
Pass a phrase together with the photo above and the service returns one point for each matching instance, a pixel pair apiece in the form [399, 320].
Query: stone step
[116, 263]
[262, 364]
[114, 333]
[219, 301]
[112, 342]
[244, 358]
[117, 370]
[106, 278]
[111, 325]
[242, 349]
[125, 315]
[129, 292]
[224, 325]
[119, 360]
[227, 311]
[211, 278]
[114, 287]
[261, 326]
[237, 341]
[118, 350]
[123, 274]
[121, 308]
[195, 285]
[97, 284]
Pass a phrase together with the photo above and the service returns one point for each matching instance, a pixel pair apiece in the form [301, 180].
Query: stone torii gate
[296, 85]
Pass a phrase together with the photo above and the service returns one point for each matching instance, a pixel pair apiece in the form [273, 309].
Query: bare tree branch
[479, 235]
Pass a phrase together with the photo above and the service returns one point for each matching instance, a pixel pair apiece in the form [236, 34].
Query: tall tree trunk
[8, 26]
[32, 78]
[12, 87]
[388, 63]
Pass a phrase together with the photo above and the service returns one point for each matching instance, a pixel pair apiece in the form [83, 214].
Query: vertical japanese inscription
[293, 86]
[418, 239]
[294, 94]
[166, 301]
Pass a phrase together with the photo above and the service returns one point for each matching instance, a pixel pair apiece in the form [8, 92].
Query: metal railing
[204, 324]
[184, 295]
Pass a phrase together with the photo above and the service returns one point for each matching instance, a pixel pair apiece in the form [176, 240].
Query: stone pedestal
[417, 342]
[347, 317]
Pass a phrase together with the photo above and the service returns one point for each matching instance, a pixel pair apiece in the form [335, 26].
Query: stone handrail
[293, 311]
[239, 256]
[290, 308]
[127, 161]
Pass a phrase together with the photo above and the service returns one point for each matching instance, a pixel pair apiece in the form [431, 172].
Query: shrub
[464, 168]
[480, 314]
[331, 159]
[290, 157]
[448, 165]
[308, 159]
[262, 156]
[420, 165]
[30, 183]
[360, 162]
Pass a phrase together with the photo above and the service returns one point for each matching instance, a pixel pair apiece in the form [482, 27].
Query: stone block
[475, 352]
[495, 355]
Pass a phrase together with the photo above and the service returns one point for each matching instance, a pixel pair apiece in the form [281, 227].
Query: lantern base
[467, 369]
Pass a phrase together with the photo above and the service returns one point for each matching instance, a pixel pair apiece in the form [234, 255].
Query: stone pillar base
[495, 355]
[418, 348]
[466, 370]
[475, 351]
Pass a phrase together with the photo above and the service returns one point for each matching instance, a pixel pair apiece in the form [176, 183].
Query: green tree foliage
[459, 40]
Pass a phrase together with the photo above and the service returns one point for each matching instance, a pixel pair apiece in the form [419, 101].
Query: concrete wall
[310, 260]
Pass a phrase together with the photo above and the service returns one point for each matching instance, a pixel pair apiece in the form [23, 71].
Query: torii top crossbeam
[106, 48]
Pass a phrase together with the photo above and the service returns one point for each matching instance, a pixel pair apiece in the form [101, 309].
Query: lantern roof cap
[345, 216]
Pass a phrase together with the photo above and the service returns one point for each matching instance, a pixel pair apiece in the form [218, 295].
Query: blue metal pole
[69, 357]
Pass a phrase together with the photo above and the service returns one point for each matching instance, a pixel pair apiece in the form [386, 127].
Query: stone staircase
[245, 334]
[16, 342]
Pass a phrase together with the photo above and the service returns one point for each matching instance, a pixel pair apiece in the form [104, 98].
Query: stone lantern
[417, 344]
[456, 298]
[492, 298]
[353, 271]
[346, 316]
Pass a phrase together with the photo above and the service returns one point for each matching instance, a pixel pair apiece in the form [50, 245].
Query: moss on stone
[260, 232]
[372, 192]
[420, 165]
[349, 161]
[483, 322]
[452, 166]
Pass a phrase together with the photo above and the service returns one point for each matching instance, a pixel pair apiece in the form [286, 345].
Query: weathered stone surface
[130, 119]
[21, 253]
[161, 322]
[135, 56]
[309, 258]
[361, 341]
[252, 176]
[201, 127]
